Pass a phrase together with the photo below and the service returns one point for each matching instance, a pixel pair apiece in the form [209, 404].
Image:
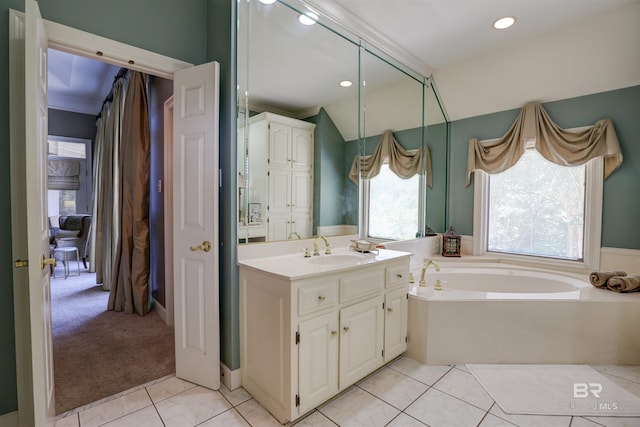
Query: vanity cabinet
[304, 340]
[281, 178]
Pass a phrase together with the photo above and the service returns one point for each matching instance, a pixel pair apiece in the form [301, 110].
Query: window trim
[85, 193]
[592, 220]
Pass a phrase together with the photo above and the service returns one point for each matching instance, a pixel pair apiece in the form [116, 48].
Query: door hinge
[382, 353]
[383, 306]
[297, 337]
[297, 400]
[21, 263]
[406, 339]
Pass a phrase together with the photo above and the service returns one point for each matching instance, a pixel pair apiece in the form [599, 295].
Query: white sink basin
[338, 259]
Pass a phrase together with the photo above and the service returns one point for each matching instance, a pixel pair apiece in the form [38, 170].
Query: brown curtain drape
[404, 163]
[130, 287]
[559, 146]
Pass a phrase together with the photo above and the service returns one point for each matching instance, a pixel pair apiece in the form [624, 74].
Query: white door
[279, 146]
[301, 149]
[195, 229]
[38, 409]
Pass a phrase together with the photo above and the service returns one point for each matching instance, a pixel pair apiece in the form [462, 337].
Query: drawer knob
[346, 329]
[390, 309]
[334, 333]
[321, 297]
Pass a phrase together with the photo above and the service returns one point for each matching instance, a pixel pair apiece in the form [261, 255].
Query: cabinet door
[279, 227]
[302, 149]
[317, 360]
[361, 340]
[301, 192]
[279, 146]
[395, 325]
[301, 224]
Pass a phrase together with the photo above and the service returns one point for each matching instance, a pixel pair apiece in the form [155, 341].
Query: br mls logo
[582, 390]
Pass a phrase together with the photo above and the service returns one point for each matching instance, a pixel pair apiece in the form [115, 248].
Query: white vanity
[311, 327]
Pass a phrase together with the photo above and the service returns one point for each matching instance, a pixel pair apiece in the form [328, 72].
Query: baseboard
[231, 379]
[162, 312]
[9, 420]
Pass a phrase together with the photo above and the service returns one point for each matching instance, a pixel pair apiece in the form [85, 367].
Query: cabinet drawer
[396, 275]
[314, 297]
[358, 284]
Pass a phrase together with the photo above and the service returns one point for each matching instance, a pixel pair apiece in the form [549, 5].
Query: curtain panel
[557, 145]
[404, 163]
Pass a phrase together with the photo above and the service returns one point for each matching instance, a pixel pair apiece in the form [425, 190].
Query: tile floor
[404, 393]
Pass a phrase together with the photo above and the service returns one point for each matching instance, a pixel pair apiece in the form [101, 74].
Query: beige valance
[559, 146]
[63, 175]
[404, 163]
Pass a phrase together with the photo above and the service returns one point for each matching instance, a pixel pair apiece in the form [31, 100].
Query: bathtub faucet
[424, 269]
[327, 246]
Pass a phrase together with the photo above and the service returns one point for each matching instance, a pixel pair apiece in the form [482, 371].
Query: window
[68, 202]
[393, 205]
[537, 208]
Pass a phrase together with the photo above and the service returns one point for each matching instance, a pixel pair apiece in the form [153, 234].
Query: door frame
[80, 43]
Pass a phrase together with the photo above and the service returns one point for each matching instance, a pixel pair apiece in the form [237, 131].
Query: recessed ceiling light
[267, 1]
[309, 18]
[504, 22]
[346, 83]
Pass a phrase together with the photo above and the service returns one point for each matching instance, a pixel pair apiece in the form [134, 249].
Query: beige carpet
[98, 353]
[577, 390]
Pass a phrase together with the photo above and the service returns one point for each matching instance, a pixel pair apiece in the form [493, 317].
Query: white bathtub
[496, 313]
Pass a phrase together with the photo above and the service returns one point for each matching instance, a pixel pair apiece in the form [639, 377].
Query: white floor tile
[358, 408]
[582, 422]
[395, 388]
[147, 417]
[427, 374]
[531, 420]
[315, 419]
[256, 415]
[236, 396]
[436, 409]
[167, 388]
[191, 407]
[113, 409]
[68, 421]
[229, 418]
[464, 386]
[404, 420]
[462, 368]
[616, 421]
[631, 373]
[493, 421]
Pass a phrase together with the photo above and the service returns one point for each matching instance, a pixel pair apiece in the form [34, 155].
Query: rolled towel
[599, 278]
[624, 283]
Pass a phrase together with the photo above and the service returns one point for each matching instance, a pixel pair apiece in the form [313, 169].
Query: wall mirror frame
[299, 130]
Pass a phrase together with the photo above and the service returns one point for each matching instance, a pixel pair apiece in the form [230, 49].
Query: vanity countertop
[296, 266]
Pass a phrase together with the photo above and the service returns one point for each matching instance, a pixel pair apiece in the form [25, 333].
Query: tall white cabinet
[281, 173]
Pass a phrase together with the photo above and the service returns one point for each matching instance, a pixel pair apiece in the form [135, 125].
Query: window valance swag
[559, 146]
[63, 175]
[404, 163]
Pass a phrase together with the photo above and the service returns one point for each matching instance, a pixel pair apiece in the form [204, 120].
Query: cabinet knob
[321, 297]
[334, 333]
[346, 329]
[390, 309]
[399, 276]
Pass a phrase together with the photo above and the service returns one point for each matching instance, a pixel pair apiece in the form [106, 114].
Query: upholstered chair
[74, 231]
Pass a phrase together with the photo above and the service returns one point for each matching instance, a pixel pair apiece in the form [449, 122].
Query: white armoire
[280, 180]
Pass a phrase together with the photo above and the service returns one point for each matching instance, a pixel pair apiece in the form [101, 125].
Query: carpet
[98, 353]
[577, 390]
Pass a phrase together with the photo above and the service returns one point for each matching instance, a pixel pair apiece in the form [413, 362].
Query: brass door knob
[205, 246]
[47, 261]
[346, 329]
[334, 333]
[322, 297]
[390, 309]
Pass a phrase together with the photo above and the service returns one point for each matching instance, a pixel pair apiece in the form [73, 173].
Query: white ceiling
[451, 39]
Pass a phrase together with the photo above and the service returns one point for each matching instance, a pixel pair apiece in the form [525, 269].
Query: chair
[74, 231]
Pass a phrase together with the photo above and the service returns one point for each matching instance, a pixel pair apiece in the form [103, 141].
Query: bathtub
[499, 313]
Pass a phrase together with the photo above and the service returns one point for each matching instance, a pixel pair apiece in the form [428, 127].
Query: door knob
[46, 261]
[205, 246]
[390, 309]
[346, 328]
[21, 263]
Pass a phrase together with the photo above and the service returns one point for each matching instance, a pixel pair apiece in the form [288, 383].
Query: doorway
[89, 342]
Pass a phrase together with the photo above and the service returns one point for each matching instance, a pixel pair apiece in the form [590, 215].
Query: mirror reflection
[301, 124]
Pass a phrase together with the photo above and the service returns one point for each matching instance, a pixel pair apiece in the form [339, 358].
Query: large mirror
[299, 130]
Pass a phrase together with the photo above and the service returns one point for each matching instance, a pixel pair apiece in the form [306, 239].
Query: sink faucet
[424, 269]
[294, 234]
[327, 246]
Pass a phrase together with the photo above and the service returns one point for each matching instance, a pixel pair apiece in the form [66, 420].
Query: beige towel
[624, 283]
[599, 278]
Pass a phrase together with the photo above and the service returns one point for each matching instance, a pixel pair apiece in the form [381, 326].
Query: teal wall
[621, 201]
[329, 207]
[172, 28]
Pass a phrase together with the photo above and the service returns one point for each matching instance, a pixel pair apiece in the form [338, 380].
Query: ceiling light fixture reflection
[504, 22]
[346, 83]
[309, 18]
[267, 1]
